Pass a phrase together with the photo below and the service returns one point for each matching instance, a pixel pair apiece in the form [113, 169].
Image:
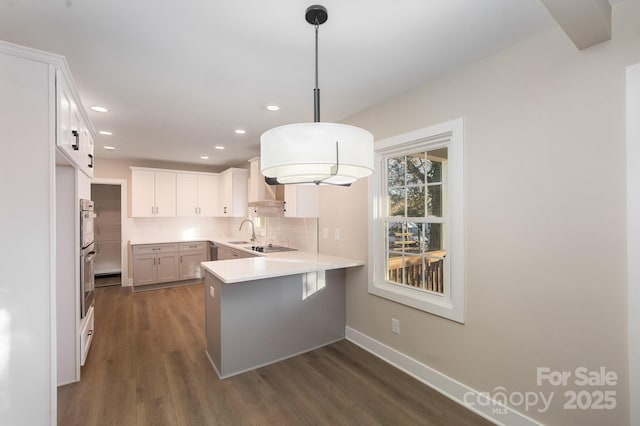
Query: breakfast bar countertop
[275, 265]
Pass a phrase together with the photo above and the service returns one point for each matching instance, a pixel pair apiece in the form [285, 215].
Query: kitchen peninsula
[263, 309]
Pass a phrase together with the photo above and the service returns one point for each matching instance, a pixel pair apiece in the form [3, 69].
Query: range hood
[267, 203]
[264, 200]
[267, 208]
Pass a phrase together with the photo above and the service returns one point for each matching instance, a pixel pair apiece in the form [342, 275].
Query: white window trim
[451, 304]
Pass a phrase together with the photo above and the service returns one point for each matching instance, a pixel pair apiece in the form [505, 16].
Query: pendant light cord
[316, 90]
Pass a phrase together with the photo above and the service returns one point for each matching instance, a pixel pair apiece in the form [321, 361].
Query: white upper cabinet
[197, 194]
[169, 193]
[86, 151]
[301, 201]
[153, 193]
[74, 134]
[165, 194]
[207, 194]
[233, 192]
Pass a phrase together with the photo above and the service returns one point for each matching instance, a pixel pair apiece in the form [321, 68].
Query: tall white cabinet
[41, 277]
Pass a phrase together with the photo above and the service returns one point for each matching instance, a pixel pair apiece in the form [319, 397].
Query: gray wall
[544, 215]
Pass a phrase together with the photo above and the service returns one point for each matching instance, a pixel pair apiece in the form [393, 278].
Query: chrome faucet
[253, 229]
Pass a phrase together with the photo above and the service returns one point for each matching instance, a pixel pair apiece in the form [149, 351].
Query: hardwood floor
[147, 366]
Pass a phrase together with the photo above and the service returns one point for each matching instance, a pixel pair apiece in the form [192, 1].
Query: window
[417, 220]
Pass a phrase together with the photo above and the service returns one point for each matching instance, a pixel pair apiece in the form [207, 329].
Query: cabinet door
[86, 150]
[233, 192]
[239, 192]
[167, 267]
[190, 264]
[63, 115]
[165, 192]
[144, 269]
[224, 253]
[207, 195]
[88, 153]
[76, 134]
[301, 200]
[187, 194]
[226, 194]
[142, 193]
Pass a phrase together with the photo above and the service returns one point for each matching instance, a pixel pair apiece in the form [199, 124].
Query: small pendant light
[320, 153]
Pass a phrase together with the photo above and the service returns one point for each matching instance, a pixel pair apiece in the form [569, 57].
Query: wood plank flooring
[147, 366]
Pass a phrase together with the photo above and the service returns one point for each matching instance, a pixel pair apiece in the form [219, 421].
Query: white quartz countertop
[263, 265]
[275, 265]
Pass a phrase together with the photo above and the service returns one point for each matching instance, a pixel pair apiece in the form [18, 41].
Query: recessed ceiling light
[240, 131]
[219, 147]
[204, 157]
[272, 107]
[104, 132]
[109, 147]
[98, 108]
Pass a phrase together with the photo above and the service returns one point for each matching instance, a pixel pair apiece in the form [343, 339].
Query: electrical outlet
[325, 233]
[395, 326]
[336, 234]
[212, 290]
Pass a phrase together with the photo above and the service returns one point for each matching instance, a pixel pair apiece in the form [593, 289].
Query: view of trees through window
[416, 219]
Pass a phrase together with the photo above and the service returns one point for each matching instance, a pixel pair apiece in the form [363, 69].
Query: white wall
[633, 230]
[27, 335]
[545, 219]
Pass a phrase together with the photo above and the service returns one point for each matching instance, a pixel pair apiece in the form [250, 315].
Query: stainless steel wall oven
[87, 257]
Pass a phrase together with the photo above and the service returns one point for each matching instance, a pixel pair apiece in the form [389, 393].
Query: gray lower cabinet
[191, 255]
[161, 263]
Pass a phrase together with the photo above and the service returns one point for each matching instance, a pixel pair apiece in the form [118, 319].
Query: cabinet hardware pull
[180, 259]
[225, 210]
[90, 333]
[284, 206]
[76, 134]
[90, 165]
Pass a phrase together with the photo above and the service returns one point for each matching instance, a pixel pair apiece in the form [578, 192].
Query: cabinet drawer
[86, 335]
[155, 248]
[194, 246]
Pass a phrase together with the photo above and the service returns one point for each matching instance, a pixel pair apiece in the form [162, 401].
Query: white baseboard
[491, 410]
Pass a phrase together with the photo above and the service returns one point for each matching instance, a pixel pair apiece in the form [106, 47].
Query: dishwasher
[213, 251]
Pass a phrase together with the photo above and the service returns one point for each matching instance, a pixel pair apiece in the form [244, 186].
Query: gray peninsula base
[254, 323]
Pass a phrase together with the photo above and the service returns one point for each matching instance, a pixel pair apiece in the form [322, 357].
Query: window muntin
[416, 190]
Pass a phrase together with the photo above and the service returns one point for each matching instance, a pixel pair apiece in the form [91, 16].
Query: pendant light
[317, 152]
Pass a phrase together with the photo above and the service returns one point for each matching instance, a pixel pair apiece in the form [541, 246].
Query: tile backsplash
[299, 233]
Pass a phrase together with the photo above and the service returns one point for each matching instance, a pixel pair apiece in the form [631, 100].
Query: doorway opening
[108, 233]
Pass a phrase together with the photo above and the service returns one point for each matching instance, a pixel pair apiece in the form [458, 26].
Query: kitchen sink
[238, 242]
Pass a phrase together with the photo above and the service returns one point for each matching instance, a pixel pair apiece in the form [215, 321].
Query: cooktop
[270, 249]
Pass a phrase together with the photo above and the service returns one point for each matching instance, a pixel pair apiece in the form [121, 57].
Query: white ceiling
[179, 76]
